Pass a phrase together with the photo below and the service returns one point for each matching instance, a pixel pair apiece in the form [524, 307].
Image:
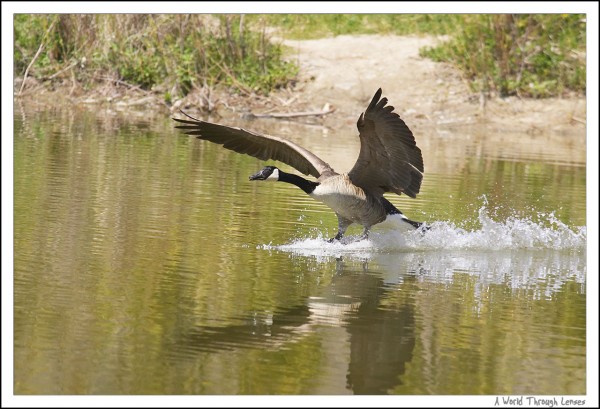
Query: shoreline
[337, 76]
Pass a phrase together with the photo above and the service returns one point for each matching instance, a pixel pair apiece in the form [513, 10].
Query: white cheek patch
[274, 177]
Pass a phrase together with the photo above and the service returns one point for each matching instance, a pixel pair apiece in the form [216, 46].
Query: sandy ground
[345, 71]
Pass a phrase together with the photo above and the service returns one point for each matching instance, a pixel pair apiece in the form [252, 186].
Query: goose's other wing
[260, 146]
[389, 159]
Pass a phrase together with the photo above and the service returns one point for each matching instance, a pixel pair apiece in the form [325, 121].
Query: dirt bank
[344, 72]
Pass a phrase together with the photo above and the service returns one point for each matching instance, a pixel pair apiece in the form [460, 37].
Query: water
[146, 263]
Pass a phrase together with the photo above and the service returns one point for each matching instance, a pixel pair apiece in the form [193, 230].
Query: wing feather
[263, 147]
[389, 159]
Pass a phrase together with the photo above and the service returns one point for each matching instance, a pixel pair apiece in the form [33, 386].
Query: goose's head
[270, 173]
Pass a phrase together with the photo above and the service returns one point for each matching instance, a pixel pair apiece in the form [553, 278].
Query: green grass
[310, 26]
[526, 55]
[173, 53]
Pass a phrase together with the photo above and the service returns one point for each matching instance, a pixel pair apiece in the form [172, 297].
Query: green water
[145, 262]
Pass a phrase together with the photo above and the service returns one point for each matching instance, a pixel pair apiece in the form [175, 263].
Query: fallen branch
[63, 70]
[324, 112]
[121, 82]
[142, 101]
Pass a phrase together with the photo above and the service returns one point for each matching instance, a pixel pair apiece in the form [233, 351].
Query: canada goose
[389, 161]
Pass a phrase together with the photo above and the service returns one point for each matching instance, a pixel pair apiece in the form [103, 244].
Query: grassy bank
[311, 26]
[525, 55]
[171, 54]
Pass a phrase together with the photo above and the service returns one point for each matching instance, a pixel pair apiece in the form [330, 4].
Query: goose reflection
[376, 341]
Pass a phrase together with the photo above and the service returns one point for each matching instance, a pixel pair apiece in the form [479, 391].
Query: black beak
[260, 175]
[264, 173]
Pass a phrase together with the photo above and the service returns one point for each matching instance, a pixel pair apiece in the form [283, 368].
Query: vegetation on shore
[171, 53]
[540, 55]
[525, 55]
[312, 26]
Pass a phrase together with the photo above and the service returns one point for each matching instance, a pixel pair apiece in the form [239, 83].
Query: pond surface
[145, 262]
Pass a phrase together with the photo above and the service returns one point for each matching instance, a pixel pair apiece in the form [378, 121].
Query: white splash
[394, 235]
[539, 254]
[511, 234]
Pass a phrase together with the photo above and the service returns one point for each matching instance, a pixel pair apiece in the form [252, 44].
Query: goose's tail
[390, 209]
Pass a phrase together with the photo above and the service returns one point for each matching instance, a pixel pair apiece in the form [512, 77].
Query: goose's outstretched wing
[389, 159]
[260, 146]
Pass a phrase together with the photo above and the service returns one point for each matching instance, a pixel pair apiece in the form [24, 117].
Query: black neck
[299, 181]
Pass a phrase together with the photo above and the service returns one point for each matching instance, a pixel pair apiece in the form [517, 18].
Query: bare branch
[37, 54]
